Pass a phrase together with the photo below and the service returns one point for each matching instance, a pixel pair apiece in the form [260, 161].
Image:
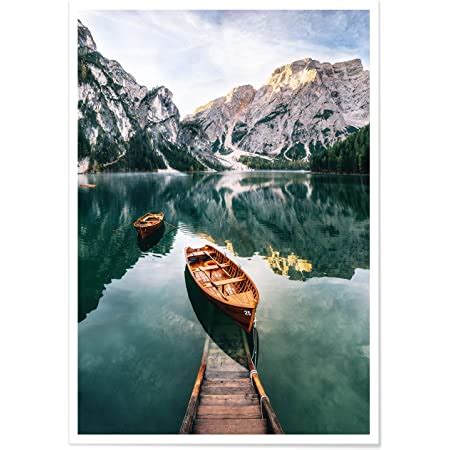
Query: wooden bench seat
[213, 267]
[206, 268]
[228, 281]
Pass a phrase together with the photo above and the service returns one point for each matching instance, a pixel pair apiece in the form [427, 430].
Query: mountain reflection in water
[321, 221]
[303, 238]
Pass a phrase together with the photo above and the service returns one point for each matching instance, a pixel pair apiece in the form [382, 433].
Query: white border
[370, 439]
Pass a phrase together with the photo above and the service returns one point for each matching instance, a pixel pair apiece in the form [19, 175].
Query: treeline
[256, 163]
[349, 156]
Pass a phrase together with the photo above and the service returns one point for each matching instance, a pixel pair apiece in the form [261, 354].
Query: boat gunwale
[138, 222]
[221, 300]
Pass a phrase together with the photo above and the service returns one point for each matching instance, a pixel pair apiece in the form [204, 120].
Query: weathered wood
[227, 390]
[221, 375]
[218, 366]
[220, 399]
[230, 426]
[228, 401]
[186, 425]
[274, 423]
[228, 411]
[235, 383]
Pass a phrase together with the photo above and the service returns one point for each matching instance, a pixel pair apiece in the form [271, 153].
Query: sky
[202, 55]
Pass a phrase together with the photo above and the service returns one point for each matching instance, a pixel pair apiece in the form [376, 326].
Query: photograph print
[225, 206]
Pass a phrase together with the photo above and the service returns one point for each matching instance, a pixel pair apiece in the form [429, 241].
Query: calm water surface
[303, 238]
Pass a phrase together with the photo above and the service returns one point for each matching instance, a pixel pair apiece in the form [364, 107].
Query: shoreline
[176, 173]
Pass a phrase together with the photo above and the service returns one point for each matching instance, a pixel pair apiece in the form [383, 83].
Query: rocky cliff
[303, 107]
[123, 125]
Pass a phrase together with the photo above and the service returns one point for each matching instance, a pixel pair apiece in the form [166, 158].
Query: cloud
[201, 55]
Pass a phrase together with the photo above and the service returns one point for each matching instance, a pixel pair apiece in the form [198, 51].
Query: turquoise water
[303, 238]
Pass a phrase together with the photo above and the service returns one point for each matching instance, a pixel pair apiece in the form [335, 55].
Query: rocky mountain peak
[121, 124]
[85, 40]
[304, 106]
[240, 93]
[293, 75]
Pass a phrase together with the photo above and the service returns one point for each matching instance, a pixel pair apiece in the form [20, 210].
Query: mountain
[303, 107]
[123, 125]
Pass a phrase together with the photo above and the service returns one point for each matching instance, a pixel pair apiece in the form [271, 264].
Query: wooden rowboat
[88, 185]
[224, 283]
[148, 223]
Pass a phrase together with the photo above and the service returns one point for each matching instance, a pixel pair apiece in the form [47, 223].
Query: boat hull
[244, 315]
[144, 230]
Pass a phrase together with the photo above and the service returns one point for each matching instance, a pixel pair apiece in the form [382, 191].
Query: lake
[303, 238]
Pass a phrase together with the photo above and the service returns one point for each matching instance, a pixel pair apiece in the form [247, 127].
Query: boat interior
[222, 278]
[151, 219]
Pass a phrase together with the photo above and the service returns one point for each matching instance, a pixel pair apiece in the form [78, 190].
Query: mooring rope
[168, 223]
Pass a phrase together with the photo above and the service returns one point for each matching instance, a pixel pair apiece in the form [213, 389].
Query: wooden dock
[228, 396]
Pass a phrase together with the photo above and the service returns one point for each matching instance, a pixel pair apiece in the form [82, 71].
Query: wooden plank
[227, 368]
[228, 411]
[227, 390]
[230, 426]
[206, 268]
[274, 423]
[239, 399]
[238, 382]
[188, 420]
[221, 375]
[228, 281]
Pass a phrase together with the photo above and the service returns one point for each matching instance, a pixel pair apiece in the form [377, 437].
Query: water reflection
[282, 265]
[222, 330]
[145, 244]
[322, 219]
[140, 347]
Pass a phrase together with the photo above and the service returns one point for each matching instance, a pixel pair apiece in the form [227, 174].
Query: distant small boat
[148, 223]
[224, 283]
[88, 185]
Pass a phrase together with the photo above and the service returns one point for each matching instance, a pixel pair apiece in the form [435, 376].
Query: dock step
[225, 375]
[230, 426]
[219, 390]
[224, 400]
[228, 411]
[229, 400]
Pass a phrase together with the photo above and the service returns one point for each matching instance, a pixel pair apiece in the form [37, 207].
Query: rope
[168, 223]
[252, 372]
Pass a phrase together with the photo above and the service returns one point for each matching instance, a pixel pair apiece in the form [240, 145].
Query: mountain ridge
[122, 125]
[303, 107]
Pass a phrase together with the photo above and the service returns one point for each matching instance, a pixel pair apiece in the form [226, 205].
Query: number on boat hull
[247, 313]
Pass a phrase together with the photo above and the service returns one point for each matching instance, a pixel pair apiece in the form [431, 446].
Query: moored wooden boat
[224, 283]
[87, 185]
[148, 223]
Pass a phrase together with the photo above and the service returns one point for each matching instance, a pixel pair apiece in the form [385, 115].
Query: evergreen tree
[349, 156]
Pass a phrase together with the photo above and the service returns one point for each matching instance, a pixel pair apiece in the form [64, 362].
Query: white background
[415, 211]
